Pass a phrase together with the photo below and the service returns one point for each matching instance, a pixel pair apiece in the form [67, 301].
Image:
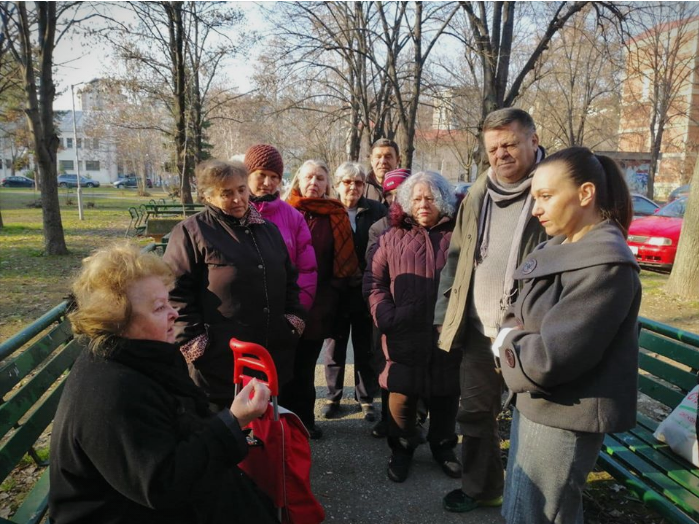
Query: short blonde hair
[103, 309]
[309, 163]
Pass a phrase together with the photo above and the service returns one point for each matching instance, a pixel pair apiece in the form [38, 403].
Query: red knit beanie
[395, 178]
[263, 156]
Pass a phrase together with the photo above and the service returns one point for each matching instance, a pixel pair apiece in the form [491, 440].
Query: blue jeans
[546, 472]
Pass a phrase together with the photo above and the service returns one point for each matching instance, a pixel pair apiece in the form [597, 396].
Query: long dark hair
[613, 197]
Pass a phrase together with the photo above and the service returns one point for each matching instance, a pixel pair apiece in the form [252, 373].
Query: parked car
[642, 206]
[131, 181]
[653, 239]
[682, 191]
[17, 181]
[72, 181]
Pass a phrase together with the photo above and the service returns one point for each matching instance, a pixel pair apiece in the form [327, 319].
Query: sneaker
[380, 429]
[330, 410]
[314, 432]
[458, 502]
[369, 412]
[449, 463]
[399, 466]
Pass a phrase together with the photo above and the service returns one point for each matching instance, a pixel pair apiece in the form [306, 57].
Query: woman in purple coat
[401, 283]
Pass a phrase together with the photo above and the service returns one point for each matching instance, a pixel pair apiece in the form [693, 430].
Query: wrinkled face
[383, 160]
[511, 152]
[350, 190]
[232, 196]
[152, 316]
[313, 182]
[264, 182]
[423, 208]
[559, 204]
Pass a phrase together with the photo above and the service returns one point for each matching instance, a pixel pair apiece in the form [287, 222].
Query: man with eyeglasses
[494, 231]
[385, 157]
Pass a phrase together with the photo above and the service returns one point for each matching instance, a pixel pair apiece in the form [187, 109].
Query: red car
[653, 239]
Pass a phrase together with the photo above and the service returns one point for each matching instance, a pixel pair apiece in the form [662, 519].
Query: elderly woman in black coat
[234, 278]
[133, 439]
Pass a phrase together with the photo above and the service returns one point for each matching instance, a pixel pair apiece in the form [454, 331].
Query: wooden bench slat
[644, 431]
[642, 490]
[668, 372]
[36, 504]
[669, 348]
[25, 437]
[653, 477]
[30, 359]
[23, 400]
[667, 465]
[674, 333]
[15, 342]
[659, 392]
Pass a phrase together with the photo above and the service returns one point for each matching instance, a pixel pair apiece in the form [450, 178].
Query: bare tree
[19, 24]
[660, 66]
[173, 52]
[492, 25]
[576, 101]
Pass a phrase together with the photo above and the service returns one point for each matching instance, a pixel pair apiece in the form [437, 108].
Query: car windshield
[674, 209]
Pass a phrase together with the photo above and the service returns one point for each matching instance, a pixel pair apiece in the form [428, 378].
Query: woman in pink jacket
[266, 169]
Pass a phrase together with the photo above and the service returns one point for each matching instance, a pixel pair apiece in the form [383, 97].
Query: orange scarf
[345, 262]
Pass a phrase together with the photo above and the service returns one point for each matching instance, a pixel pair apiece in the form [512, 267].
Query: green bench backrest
[668, 362]
[31, 381]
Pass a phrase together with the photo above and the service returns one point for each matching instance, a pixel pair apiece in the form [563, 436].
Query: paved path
[349, 474]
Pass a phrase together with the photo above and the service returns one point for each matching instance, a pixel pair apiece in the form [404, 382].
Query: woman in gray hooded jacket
[569, 348]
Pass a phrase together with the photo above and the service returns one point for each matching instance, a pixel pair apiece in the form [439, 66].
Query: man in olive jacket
[494, 231]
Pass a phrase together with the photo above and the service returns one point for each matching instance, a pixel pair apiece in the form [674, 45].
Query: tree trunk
[39, 111]
[684, 279]
[174, 11]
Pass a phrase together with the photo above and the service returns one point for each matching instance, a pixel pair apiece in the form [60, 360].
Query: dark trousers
[479, 406]
[357, 321]
[402, 422]
[299, 395]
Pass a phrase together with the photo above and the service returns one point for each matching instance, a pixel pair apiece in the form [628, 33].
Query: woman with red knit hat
[266, 169]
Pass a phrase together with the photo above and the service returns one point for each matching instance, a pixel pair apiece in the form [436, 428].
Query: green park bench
[33, 368]
[164, 210]
[668, 364]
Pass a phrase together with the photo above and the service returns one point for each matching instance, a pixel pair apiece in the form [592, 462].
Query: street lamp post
[77, 157]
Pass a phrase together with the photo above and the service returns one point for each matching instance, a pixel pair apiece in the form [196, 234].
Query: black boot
[401, 459]
[443, 454]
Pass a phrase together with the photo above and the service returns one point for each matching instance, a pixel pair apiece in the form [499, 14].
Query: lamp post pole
[77, 157]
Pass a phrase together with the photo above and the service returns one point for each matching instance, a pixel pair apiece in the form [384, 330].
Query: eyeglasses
[356, 183]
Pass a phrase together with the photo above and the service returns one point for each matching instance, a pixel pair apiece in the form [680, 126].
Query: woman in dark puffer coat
[401, 284]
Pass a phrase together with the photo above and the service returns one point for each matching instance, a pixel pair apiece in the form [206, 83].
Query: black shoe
[448, 462]
[330, 410]
[399, 466]
[380, 429]
[369, 412]
[314, 432]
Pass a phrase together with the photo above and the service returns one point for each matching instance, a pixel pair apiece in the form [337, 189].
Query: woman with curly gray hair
[400, 283]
